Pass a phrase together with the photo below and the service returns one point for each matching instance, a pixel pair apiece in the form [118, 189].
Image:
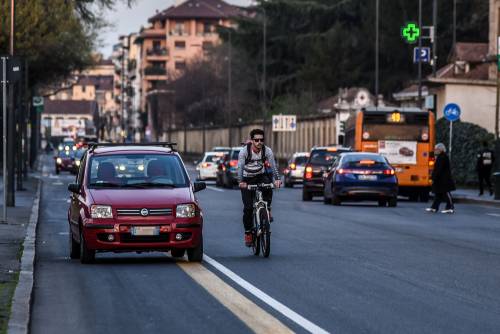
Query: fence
[311, 131]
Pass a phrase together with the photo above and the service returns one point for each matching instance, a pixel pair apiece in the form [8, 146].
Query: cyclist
[252, 170]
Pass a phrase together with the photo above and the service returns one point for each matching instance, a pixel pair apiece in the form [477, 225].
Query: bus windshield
[413, 128]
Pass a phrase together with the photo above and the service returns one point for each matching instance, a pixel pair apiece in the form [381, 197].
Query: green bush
[467, 143]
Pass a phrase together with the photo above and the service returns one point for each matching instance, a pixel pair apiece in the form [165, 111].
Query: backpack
[249, 154]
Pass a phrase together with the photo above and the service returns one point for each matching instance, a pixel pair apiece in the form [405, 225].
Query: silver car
[294, 172]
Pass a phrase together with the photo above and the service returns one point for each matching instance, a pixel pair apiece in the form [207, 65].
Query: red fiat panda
[134, 198]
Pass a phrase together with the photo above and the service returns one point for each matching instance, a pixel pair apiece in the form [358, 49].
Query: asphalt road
[351, 269]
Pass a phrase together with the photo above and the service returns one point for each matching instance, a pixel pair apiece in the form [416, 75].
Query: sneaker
[448, 211]
[430, 210]
[248, 239]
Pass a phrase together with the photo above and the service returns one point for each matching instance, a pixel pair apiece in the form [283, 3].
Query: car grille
[129, 238]
[137, 212]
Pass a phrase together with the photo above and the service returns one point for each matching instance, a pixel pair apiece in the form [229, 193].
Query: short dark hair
[256, 132]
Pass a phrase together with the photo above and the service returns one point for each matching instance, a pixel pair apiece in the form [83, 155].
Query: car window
[300, 161]
[141, 170]
[81, 171]
[322, 157]
[363, 160]
[212, 158]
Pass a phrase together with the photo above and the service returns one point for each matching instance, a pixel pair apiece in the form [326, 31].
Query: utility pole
[377, 18]
[434, 37]
[264, 69]
[4, 136]
[419, 102]
[454, 24]
[11, 129]
[229, 89]
[497, 109]
[122, 90]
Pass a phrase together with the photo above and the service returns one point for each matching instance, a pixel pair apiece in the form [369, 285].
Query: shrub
[467, 143]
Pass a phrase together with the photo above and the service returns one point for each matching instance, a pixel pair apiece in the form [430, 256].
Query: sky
[127, 20]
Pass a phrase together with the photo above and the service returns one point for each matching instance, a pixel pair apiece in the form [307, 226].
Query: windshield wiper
[150, 185]
[105, 184]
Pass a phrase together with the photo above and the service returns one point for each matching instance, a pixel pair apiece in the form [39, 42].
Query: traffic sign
[423, 56]
[37, 101]
[410, 32]
[452, 112]
[284, 123]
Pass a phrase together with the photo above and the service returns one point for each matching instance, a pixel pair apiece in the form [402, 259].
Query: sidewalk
[472, 196]
[12, 236]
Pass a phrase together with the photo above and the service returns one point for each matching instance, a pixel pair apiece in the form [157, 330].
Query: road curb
[468, 200]
[21, 303]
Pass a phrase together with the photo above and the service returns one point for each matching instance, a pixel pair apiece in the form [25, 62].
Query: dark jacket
[485, 160]
[442, 181]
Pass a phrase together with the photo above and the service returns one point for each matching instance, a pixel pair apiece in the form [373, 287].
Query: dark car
[64, 160]
[230, 168]
[221, 169]
[320, 161]
[134, 199]
[77, 159]
[361, 177]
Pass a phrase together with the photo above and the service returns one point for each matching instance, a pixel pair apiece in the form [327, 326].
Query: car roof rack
[94, 145]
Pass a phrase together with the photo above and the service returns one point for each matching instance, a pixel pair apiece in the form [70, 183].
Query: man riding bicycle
[252, 170]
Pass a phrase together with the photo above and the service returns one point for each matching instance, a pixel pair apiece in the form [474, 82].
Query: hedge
[468, 139]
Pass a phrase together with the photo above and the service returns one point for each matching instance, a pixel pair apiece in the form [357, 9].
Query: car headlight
[101, 211]
[77, 162]
[59, 161]
[185, 211]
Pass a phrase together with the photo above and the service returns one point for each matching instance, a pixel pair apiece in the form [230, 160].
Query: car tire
[74, 247]
[393, 202]
[58, 170]
[306, 196]
[177, 252]
[196, 254]
[217, 181]
[86, 255]
[382, 203]
[336, 200]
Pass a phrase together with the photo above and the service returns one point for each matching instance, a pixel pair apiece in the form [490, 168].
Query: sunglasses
[258, 140]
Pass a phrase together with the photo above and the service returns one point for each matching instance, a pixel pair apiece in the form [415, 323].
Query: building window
[180, 65]
[207, 46]
[156, 45]
[179, 28]
[207, 28]
[84, 88]
[180, 45]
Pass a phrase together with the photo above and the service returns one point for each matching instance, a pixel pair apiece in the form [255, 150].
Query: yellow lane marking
[258, 320]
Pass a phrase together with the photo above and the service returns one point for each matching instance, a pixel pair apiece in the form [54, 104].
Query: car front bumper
[96, 236]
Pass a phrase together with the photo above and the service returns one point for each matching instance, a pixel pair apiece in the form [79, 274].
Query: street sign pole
[452, 113]
[451, 138]
[4, 136]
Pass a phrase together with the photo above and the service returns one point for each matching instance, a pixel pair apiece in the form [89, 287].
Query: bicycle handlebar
[260, 186]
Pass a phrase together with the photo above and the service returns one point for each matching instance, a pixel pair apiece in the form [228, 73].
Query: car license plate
[145, 230]
[367, 177]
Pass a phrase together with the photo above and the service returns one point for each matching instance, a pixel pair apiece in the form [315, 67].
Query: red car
[133, 198]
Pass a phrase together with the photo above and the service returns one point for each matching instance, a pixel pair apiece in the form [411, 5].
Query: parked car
[294, 172]
[134, 199]
[320, 161]
[361, 176]
[207, 167]
[64, 161]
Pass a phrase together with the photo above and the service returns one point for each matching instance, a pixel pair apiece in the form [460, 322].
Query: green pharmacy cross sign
[410, 32]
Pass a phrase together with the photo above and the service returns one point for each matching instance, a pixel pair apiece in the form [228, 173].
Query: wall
[313, 131]
[477, 103]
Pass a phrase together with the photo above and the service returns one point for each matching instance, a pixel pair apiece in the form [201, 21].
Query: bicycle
[261, 231]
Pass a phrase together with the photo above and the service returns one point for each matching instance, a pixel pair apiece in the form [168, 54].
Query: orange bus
[405, 136]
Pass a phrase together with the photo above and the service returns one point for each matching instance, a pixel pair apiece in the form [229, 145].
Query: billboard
[399, 152]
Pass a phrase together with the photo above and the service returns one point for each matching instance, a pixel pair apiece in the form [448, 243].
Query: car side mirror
[74, 188]
[199, 186]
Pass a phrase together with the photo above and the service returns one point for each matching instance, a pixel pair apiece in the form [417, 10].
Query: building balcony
[155, 71]
[157, 52]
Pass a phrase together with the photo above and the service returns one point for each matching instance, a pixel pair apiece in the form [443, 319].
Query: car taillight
[308, 174]
[233, 163]
[389, 172]
[341, 171]
[205, 165]
[366, 135]
[293, 166]
[432, 161]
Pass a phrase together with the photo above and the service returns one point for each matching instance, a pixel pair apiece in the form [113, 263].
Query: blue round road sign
[452, 112]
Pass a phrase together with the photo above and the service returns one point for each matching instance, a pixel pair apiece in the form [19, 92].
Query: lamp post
[377, 8]
[419, 102]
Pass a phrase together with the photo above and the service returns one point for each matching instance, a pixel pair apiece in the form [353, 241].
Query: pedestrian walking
[442, 182]
[485, 160]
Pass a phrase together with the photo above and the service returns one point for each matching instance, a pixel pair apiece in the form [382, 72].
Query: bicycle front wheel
[265, 235]
[255, 236]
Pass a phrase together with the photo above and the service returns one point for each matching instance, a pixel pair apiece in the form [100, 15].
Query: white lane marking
[284, 310]
[493, 214]
[63, 233]
[215, 189]
[57, 183]
[68, 201]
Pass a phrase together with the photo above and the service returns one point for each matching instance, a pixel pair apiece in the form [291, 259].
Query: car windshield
[364, 161]
[79, 154]
[323, 157]
[300, 161]
[212, 157]
[234, 155]
[137, 171]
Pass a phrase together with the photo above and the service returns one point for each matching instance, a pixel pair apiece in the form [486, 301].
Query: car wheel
[306, 196]
[393, 202]
[382, 203]
[86, 255]
[196, 254]
[217, 181]
[74, 247]
[177, 252]
[336, 200]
